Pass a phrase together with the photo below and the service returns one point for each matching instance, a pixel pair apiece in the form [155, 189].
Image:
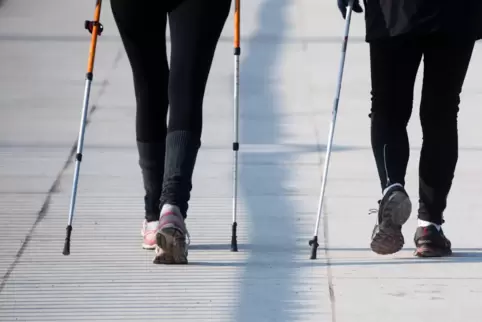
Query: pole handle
[237, 23]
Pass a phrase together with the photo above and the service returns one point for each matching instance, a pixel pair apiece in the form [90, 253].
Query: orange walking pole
[237, 53]
[95, 28]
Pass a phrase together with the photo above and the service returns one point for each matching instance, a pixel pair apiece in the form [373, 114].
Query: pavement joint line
[326, 239]
[54, 187]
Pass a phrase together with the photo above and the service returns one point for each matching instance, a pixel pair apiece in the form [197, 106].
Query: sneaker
[148, 233]
[394, 210]
[431, 242]
[171, 237]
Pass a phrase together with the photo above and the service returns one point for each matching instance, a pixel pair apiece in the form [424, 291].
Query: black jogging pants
[195, 28]
[178, 85]
[394, 65]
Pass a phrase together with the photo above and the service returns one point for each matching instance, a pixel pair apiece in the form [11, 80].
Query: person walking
[167, 152]
[399, 34]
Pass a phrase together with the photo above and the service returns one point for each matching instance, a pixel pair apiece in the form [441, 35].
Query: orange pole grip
[237, 21]
[95, 32]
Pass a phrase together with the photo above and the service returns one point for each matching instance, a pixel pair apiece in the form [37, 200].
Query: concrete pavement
[290, 55]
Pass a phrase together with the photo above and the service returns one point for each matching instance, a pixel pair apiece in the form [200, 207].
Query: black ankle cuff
[151, 162]
[181, 153]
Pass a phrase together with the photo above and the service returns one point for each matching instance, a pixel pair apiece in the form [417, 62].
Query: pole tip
[66, 250]
[234, 241]
[314, 247]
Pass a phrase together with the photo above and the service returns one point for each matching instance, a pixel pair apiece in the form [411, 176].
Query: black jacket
[389, 18]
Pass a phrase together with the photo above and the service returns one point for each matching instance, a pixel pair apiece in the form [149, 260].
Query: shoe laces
[188, 238]
[373, 211]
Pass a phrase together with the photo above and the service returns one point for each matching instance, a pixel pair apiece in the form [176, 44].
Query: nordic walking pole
[237, 53]
[95, 28]
[314, 242]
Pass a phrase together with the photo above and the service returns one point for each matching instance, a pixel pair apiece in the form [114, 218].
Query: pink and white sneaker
[172, 237]
[148, 233]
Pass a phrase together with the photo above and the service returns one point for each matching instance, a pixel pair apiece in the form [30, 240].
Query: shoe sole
[173, 243]
[388, 238]
[427, 252]
[148, 247]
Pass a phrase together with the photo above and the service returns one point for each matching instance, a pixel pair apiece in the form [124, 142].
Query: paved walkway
[289, 66]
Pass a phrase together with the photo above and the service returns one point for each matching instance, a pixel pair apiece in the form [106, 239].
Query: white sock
[152, 225]
[424, 223]
[391, 186]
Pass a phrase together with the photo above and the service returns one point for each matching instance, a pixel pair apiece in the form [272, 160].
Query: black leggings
[394, 66]
[195, 27]
[168, 151]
